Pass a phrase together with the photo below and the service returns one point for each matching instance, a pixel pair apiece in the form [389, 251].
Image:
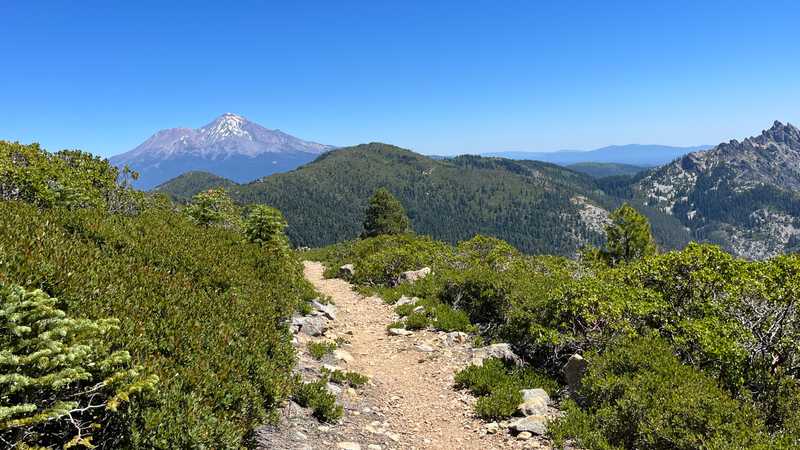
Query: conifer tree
[214, 207]
[264, 225]
[385, 215]
[60, 383]
[628, 237]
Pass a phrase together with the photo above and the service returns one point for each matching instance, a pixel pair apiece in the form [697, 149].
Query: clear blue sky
[439, 77]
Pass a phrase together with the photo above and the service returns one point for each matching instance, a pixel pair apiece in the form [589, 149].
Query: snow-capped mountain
[230, 146]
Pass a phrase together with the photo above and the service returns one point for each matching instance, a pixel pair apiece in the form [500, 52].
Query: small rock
[424, 348]
[456, 337]
[328, 310]
[299, 436]
[406, 301]
[499, 351]
[343, 355]
[374, 447]
[348, 446]
[323, 428]
[413, 275]
[333, 389]
[533, 424]
[393, 436]
[347, 271]
[400, 332]
[574, 370]
[492, 427]
[524, 436]
[330, 367]
[314, 326]
[419, 309]
[534, 402]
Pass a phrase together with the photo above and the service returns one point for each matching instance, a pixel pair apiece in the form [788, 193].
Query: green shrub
[416, 321]
[353, 379]
[498, 385]
[61, 383]
[638, 395]
[445, 318]
[198, 306]
[502, 402]
[215, 207]
[318, 350]
[315, 395]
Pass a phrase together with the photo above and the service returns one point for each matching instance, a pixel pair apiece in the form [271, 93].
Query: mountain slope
[538, 207]
[230, 146]
[632, 154]
[741, 195]
[601, 170]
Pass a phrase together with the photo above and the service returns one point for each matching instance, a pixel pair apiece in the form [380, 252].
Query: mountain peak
[228, 137]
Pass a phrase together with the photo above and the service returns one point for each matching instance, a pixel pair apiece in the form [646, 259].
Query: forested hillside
[538, 207]
[127, 323]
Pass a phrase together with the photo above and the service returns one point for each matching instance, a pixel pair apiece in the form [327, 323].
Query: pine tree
[264, 225]
[214, 207]
[385, 215]
[60, 383]
[628, 237]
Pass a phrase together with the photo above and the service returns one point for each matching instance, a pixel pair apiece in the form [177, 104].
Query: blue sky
[437, 77]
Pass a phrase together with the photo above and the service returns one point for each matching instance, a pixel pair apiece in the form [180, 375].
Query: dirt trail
[411, 386]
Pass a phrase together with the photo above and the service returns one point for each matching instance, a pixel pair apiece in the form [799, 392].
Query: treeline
[127, 322]
[684, 349]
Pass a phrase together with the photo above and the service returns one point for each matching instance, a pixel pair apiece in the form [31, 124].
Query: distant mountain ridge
[744, 195]
[230, 146]
[631, 154]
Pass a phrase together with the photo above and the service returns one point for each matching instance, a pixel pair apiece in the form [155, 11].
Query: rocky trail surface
[409, 402]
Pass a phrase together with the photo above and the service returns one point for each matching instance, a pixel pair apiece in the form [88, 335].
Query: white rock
[343, 355]
[574, 370]
[348, 446]
[534, 402]
[347, 271]
[328, 310]
[407, 301]
[533, 424]
[524, 436]
[400, 332]
[499, 351]
[424, 348]
[374, 447]
[413, 275]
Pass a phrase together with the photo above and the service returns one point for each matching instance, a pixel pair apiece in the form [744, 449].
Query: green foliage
[265, 225]
[199, 307]
[215, 207]
[318, 349]
[184, 187]
[501, 403]
[385, 215]
[638, 395]
[628, 237]
[353, 379]
[498, 385]
[315, 395]
[69, 178]
[436, 315]
[60, 381]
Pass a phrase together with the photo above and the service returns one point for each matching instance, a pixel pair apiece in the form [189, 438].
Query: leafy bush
[264, 225]
[318, 350]
[502, 402]
[638, 395]
[215, 207]
[498, 385]
[353, 379]
[315, 395]
[198, 306]
[60, 382]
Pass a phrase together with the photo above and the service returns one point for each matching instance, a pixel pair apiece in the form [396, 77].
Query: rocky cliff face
[741, 195]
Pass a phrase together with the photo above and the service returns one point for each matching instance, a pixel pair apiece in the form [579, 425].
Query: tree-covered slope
[183, 187]
[539, 207]
[600, 170]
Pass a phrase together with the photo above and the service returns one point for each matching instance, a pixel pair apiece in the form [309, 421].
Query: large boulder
[499, 351]
[347, 271]
[413, 275]
[573, 371]
[534, 402]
